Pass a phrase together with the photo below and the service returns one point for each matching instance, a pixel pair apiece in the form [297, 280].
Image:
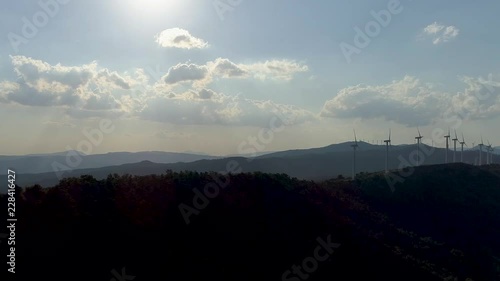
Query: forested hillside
[438, 223]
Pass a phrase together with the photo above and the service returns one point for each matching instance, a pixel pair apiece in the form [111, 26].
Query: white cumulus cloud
[92, 91]
[440, 33]
[204, 74]
[411, 102]
[179, 38]
[407, 101]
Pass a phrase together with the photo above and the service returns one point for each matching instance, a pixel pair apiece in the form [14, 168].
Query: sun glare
[153, 7]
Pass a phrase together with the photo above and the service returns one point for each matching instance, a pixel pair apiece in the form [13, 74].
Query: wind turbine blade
[418, 132]
[456, 137]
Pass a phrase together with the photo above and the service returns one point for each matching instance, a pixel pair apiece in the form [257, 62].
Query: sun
[153, 7]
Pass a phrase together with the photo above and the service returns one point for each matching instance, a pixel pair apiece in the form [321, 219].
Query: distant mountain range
[42, 163]
[310, 164]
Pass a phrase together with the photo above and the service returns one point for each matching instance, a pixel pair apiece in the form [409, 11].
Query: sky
[231, 76]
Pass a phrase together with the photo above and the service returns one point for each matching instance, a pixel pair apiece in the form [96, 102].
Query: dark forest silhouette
[441, 222]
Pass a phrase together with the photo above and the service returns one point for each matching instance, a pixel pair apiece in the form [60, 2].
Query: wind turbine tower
[419, 138]
[447, 137]
[481, 152]
[462, 143]
[354, 147]
[475, 159]
[387, 144]
[455, 147]
[489, 149]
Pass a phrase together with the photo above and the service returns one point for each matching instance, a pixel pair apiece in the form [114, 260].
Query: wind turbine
[481, 151]
[447, 137]
[489, 149]
[455, 146]
[462, 143]
[419, 138]
[475, 159]
[387, 144]
[354, 147]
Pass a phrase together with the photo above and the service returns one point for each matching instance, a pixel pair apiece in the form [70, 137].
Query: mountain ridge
[312, 166]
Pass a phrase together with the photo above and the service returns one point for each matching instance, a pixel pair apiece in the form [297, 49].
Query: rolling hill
[314, 164]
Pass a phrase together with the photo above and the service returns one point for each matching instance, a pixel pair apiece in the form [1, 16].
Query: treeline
[250, 226]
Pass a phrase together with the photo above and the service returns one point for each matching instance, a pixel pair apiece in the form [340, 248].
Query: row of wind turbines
[489, 150]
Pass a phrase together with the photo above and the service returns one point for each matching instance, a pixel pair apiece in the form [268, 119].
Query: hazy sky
[211, 76]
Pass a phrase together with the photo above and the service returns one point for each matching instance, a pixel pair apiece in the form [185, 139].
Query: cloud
[407, 101]
[207, 107]
[24, 94]
[440, 33]
[102, 101]
[275, 69]
[206, 94]
[114, 79]
[226, 69]
[480, 99]
[411, 102]
[7, 89]
[202, 75]
[185, 72]
[84, 88]
[91, 91]
[34, 71]
[179, 38]
[45, 77]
